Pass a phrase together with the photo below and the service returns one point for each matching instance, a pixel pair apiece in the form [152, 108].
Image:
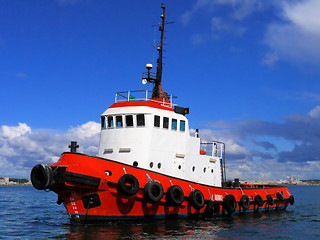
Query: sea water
[26, 213]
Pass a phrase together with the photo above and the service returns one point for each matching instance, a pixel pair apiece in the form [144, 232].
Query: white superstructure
[151, 135]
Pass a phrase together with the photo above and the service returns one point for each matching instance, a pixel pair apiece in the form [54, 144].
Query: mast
[156, 79]
[157, 85]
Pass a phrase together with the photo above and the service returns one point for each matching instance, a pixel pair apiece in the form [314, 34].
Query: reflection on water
[272, 224]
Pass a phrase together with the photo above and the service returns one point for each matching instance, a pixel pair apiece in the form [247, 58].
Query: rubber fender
[258, 200]
[153, 191]
[245, 202]
[174, 195]
[280, 196]
[196, 199]
[291, 199]
[212, 208]
[42, 176]
[230, 203]
[270, 200]
[128, 185]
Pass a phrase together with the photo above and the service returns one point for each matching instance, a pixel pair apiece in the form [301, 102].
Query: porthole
[179, 167]
[108, 173]
[159, 165]
[151, 165]
[204, 170]
[193, 168]
[211, 170]
[135, 164]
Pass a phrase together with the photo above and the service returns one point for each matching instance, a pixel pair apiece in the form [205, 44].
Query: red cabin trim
[140, 104]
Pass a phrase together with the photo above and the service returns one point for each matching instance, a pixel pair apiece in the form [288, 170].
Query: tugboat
[150, 167]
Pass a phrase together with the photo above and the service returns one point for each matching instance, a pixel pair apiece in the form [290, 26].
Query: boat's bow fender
[42, 176]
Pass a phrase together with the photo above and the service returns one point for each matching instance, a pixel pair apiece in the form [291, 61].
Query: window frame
[132, 121]
[165, 121]
[112, 121]
[174, 127]
[184, 125]
[138, 122]
[154, 121]
[119, 116]
[103, 122]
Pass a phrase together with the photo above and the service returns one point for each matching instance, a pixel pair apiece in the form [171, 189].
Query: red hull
[113, 205]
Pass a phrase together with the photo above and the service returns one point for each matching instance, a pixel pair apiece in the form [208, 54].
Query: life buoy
[230, 203]
[280, 196]
[42, 176]
[270, 200]
[196, 199]
[174, 195]
[128, 185]
[245, 202]
[291, 200]
[153, 191]
[258, 200]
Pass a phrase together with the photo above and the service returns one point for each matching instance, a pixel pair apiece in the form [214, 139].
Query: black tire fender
[153, 191]
[280, 196]
[196, 199]
[258, 200]
[270, 200]
[230, 203]
[42, 176]
[245, 202]
[291, 199]
[212, 208]
[128, 185]
[175, 195]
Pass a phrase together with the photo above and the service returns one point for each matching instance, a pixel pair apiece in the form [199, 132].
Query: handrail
[142, 95]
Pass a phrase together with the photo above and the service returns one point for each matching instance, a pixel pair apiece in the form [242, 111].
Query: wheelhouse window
[182, 126]
[165, 122]
[110, 122]
[103, 122]
[129, 120]
[157, 121]
[119, 121]
[174, 124]
[140, 120]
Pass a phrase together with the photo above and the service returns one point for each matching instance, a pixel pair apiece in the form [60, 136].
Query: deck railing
[142, 95]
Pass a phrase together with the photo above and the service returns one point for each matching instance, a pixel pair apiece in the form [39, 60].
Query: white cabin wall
[167, 151]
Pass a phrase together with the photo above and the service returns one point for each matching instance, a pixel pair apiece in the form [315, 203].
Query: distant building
[4, 181]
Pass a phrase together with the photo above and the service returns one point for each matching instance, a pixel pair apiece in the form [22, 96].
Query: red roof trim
[140, 104]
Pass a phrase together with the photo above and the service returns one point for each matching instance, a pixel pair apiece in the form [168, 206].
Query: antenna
[150, 77]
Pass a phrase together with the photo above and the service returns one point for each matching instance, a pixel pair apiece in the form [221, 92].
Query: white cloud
[240, 9]
[87, 130]
[13, 132]
[260, 150]
[297, 39]
[315, 113]
[21, 148]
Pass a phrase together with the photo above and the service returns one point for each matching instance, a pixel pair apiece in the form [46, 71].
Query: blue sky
[248, 70]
